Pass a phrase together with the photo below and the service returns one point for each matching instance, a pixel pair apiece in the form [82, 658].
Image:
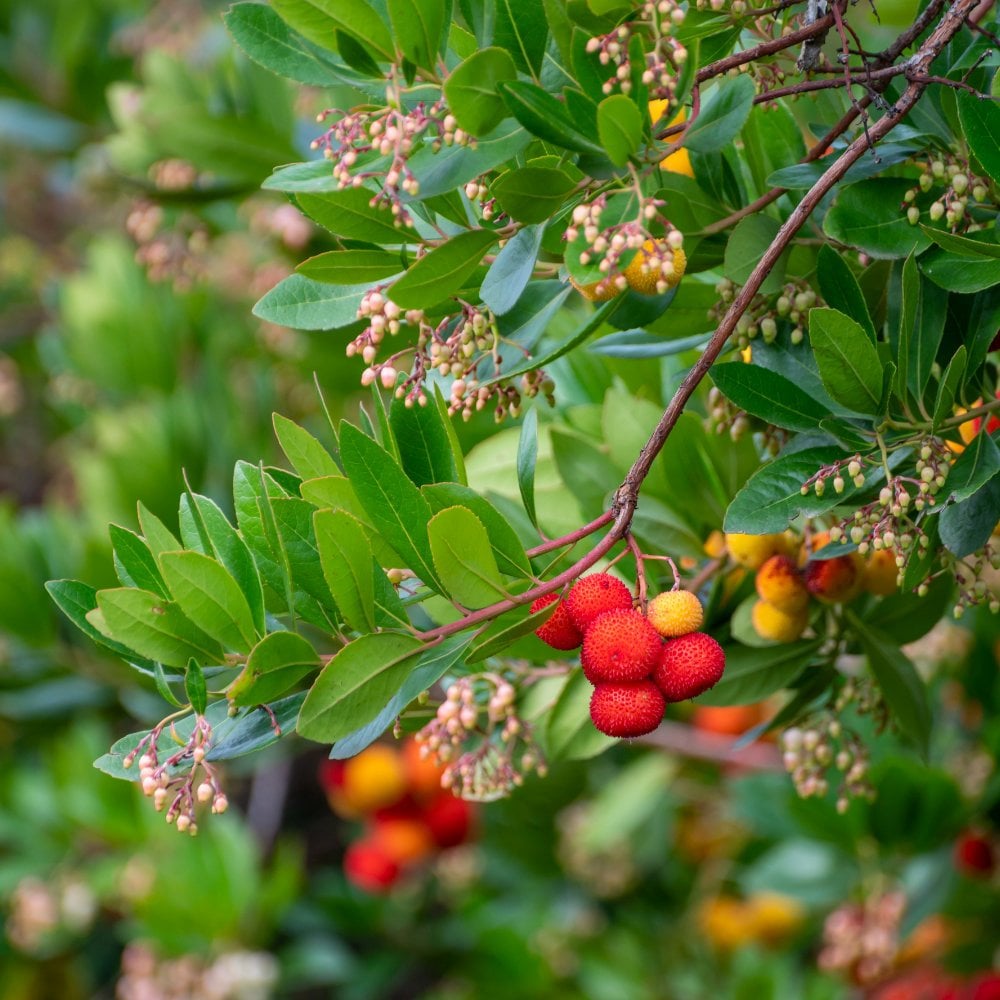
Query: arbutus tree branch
[627, 496]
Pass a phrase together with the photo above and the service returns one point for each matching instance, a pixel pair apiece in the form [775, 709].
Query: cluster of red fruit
[637, 662]
[408, 817]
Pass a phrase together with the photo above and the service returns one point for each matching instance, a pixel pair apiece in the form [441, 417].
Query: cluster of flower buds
[862, 940]
[377, 144]
[809, 753]
[476, 732]
[174, 175]
[725, 416]
[736, 7]
[834, 474]
[478, 193]
[41, 913]
[185, 778]
[654, 21]
[176, 254]
[976, 579]
[616, 248]
[766, 312]
[233, 975]
[952, 204]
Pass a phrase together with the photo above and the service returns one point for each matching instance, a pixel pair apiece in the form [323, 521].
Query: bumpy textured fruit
[368, 867]
[753, 551]
[449, 820]
[619, 646]
[559, 632]
[675, 612]
[644, 269]
[688, 666]
[597, 291]
[881, 573]
[836, 580]
[780, 583]
[626, 710]
[595, 595]
[776, 624]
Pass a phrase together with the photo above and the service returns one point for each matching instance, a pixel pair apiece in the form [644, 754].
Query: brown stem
[690, 742]
[573, 537]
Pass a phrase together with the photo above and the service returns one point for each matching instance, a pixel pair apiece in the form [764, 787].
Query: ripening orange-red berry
[592, 596]
[626, 710]
[780, 583]
[619, 646]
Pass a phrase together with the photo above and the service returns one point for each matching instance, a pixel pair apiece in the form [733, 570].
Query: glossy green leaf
[542, 115]
[350, 214]
[293, 519]
[522, 30]
[156, 534]
[277, 663]
[527, 456]
[749, 241]
[570, 735]
[754, 673]
[135, 563]
[442, 272]
[351, 267]
[210, 597]
[317, 19]
[980, 127]
[848, 362]
[722, 116]
[510, 273]
[471, 90]
[390, 499]
[417, 26]
[463, 558]
[978, 463]
[903, 690]
[968, 525]
[840, 289]
[346, 559]
[905, 617]
[308, 457]
[767, 395]
[868, 216]
[303, 304]
[425, 448]
[195, 688]
[960, 273]
[619, 125]
[951, 381]
[532, 194]
[982, 244]
[357, 684]
[153, 627]
[506, 630]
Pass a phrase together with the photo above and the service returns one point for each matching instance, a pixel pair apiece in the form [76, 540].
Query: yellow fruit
[655, 268]
[773, 918]
[753, 551]
[597, 291]
[723, 921]
[680, 161]
[374, 779]
[715, 544]
[746, 355]
[881, 573]
[780, 583]
[777, 625]
[675, 612]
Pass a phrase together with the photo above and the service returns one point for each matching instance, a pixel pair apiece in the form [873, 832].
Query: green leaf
[848, 362]
[154, 628]
[981, 244]
[688, 206]
[722, 116]
[224, 542]
[532, 194]
[351, 215]
[522, 30]
[767, 395]
[570, 735]
[619, 125]
[922, 562]
[980, 127]
[542, 115]
[507, 547]
[293, 519]
[357, 684]
[868, 216]
[506, 630]
[772, 496]
[278, 662]
[163, 687]
[771, 138]
[268, 41]
[453, 442]
[430, 668]
[960, 273]
[346, 558]
[471, 90]
[463, 558]
[979, 463]
[425, 448]
[748, 243]
[194, 687]
[158, 537]
[840, 289]
[308, 457]
[754, 673]
[76, 600]
[443, 271]
[417, 26]
[948, 387]
[210, 597]
[902, 688]
[391, 501]
[135, 562]
[967, 526]
[527, 456]
[304, 304]
[906, 617]
[928, 332]
[351, 267]
[316, 19]
[510, 273]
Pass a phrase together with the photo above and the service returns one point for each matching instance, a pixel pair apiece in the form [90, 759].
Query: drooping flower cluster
[959, 183]
[765, 312]
[477, 733]
[862, 939]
